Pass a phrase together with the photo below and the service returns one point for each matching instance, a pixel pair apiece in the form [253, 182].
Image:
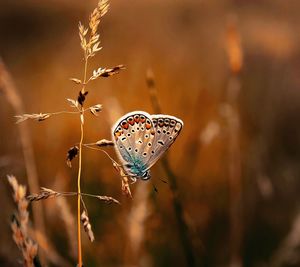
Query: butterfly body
[141, 139]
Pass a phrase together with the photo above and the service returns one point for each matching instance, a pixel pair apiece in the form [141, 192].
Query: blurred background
[229, 69]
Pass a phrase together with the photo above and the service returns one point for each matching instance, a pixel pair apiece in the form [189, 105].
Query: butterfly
[140, 140]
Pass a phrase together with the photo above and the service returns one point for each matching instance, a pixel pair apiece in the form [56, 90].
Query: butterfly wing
[166, 128]
[131, 134]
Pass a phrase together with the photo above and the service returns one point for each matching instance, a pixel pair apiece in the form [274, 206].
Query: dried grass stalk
[19, 225]
[90, 46]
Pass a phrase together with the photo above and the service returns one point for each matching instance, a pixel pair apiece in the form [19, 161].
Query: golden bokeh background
[236, 161]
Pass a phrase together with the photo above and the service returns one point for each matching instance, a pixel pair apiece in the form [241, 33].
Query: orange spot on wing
[125, 126]
[148, 126]
[130, 121]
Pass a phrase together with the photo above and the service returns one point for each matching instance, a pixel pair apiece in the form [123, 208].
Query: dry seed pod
[73, 103]
[87, 226]
[104, 142]
[43, 194]
[81, 97]
[75, 80]
[38, 117]
[95, 109]
[72, 153]
[108, 200]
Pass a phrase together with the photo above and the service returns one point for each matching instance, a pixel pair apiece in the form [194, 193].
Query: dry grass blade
[87, 226]
[44, 193]
[19, 225]
[34, 116]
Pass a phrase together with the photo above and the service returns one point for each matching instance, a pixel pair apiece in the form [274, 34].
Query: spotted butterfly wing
[133, 134]
[166, 128]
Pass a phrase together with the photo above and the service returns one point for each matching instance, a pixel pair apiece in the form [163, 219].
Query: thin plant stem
[79, 197]
[79, 170]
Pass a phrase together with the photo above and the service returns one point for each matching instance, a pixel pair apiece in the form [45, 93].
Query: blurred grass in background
[184, 43]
